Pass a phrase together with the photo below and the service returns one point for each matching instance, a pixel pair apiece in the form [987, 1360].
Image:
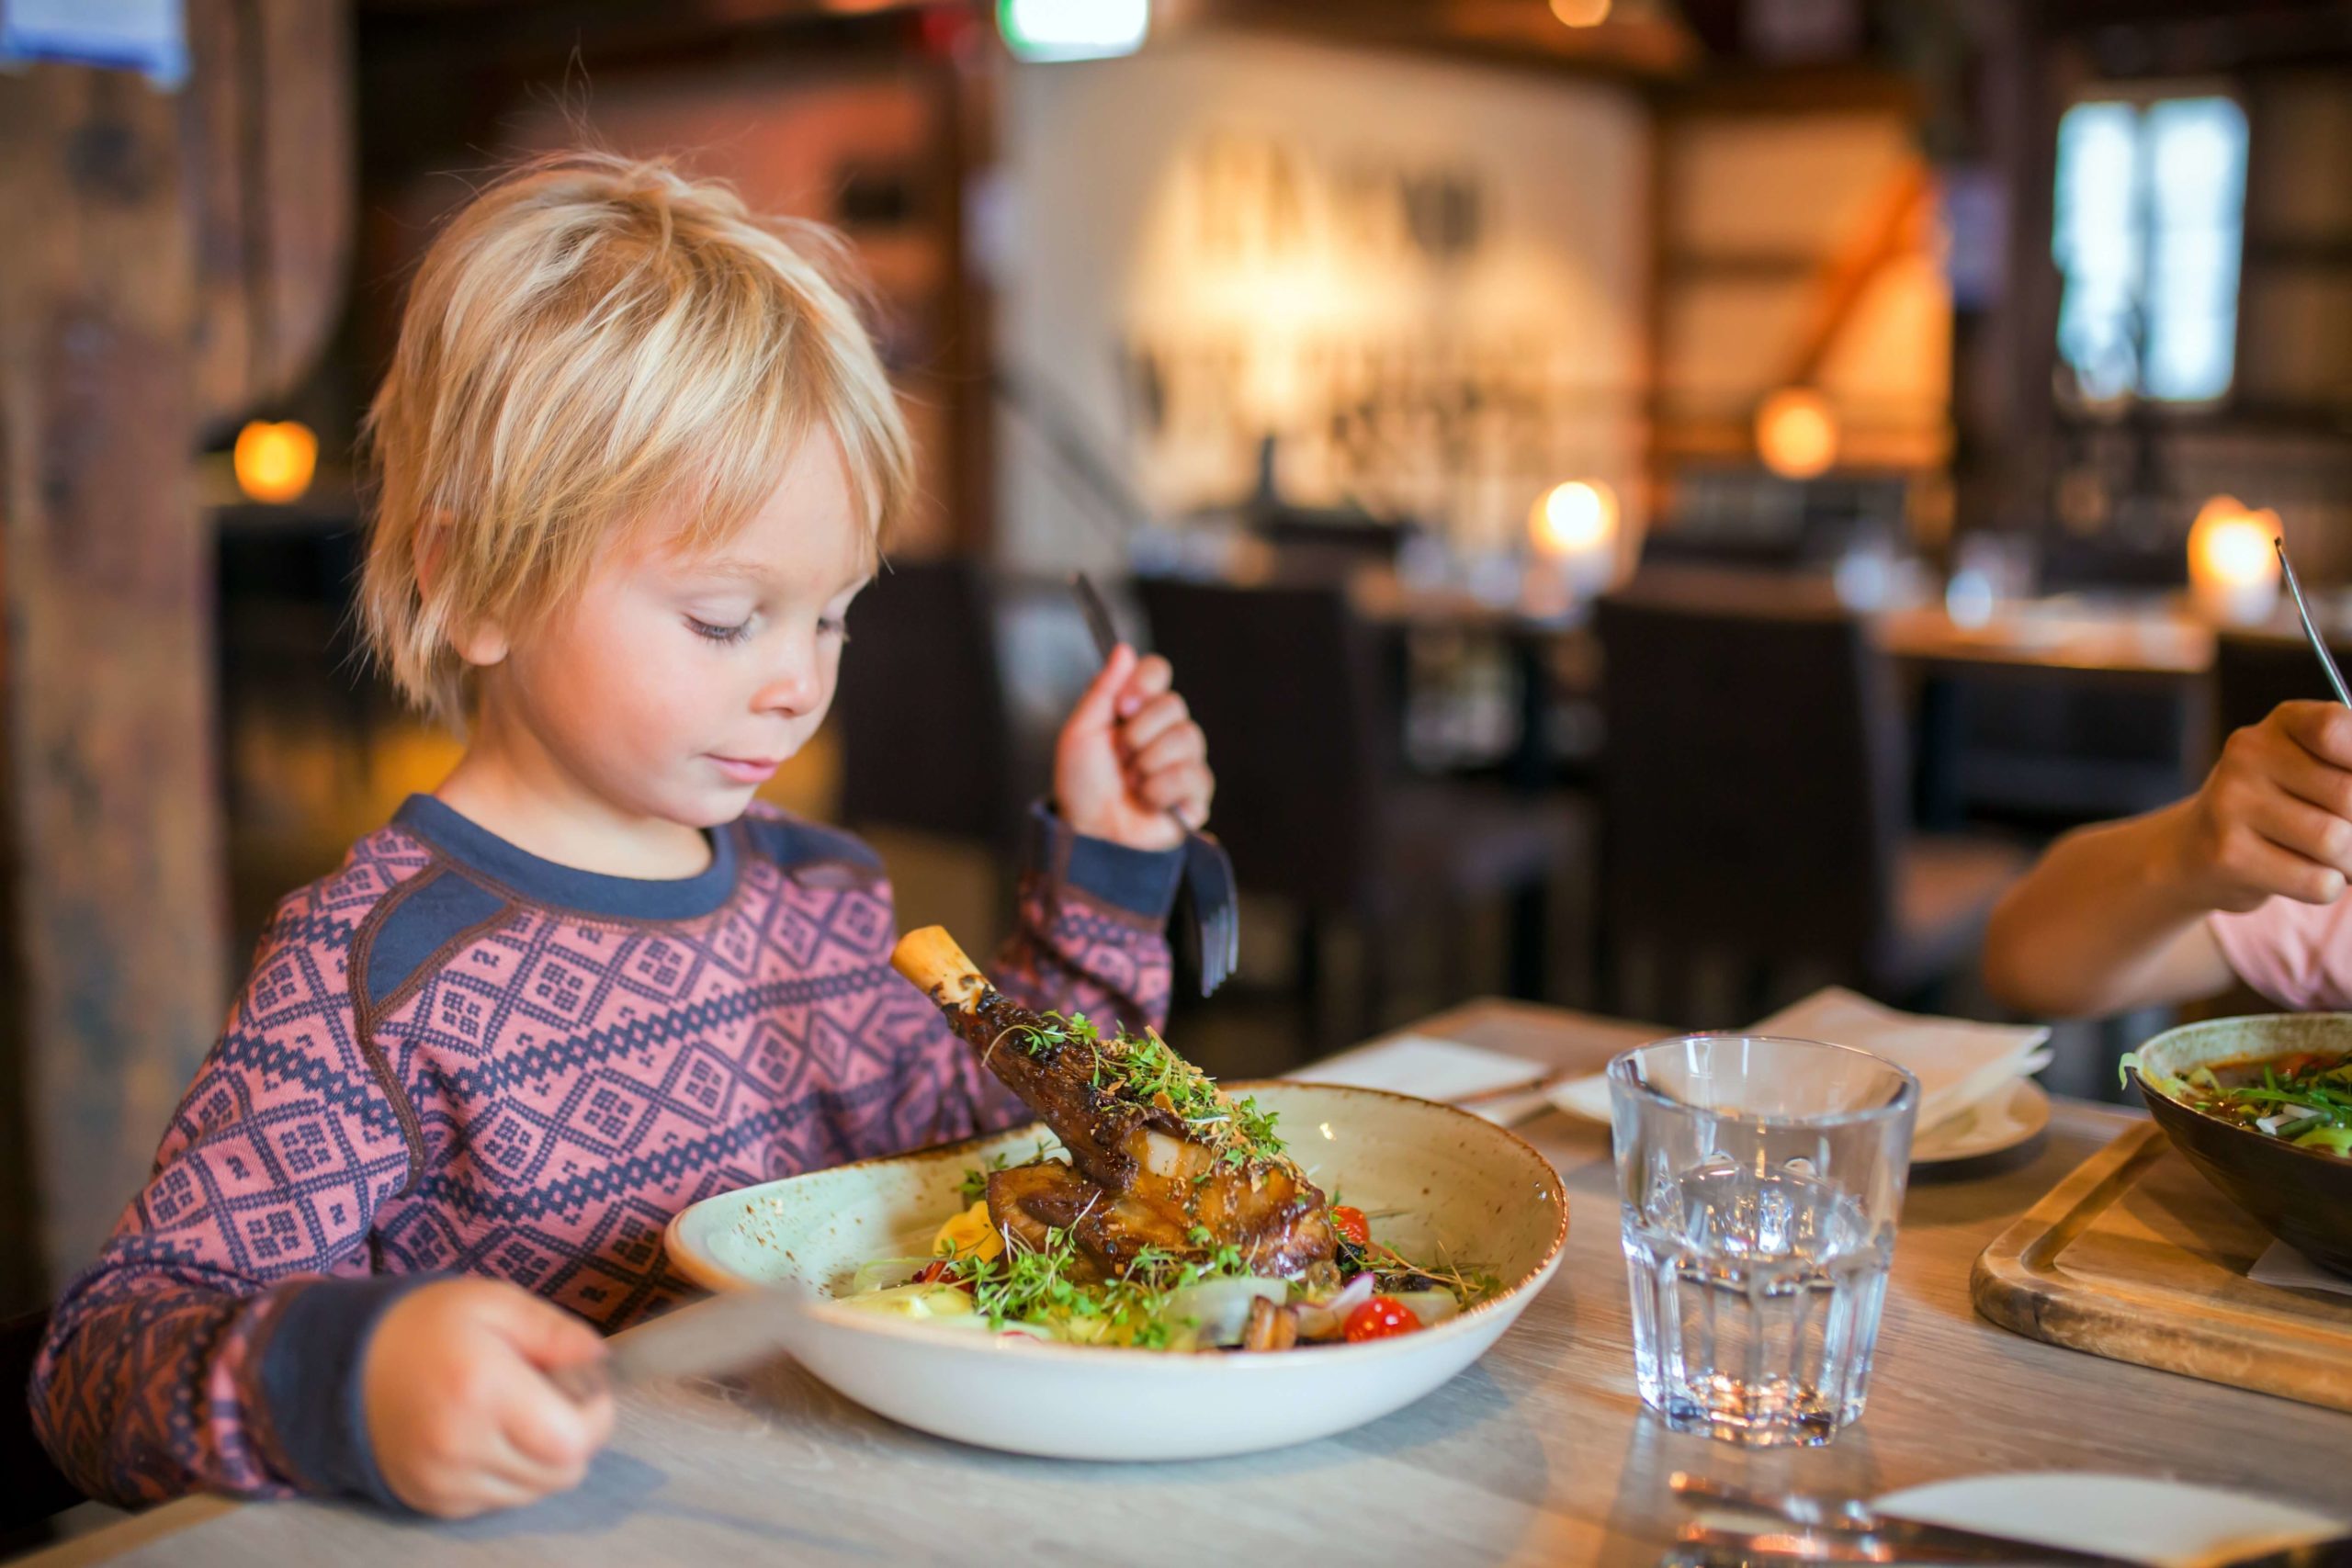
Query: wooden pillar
[115, 351]
[111, 832]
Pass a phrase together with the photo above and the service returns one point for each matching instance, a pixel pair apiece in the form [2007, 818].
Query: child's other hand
[2273, 818]
[461, 1418]
[1130, 754]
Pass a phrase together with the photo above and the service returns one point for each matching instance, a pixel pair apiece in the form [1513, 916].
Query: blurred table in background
[2152, 637]
[2067, 707]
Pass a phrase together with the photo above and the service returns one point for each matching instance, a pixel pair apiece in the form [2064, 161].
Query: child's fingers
[2324, 729]
[1097, 706]
[1184, 743]
[1184, 789]
[1152, 676]
[549, 1439]
[544, 1335]
[2258, 854]
[1154, 719]
[2302, 829]
[2305, 776]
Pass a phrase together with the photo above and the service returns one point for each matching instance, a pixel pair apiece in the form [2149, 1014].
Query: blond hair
[594, 340]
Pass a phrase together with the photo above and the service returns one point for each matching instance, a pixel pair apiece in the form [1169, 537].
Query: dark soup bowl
[2302, 1196]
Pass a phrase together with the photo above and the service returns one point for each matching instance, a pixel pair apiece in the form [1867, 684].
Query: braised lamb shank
[1160, 1157]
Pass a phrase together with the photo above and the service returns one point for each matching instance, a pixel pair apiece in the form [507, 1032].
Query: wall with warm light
[1228, 233]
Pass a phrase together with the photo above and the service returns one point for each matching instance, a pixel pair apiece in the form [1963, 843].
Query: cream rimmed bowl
[1449, 1185]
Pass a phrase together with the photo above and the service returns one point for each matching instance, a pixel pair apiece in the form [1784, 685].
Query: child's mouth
[747, 770]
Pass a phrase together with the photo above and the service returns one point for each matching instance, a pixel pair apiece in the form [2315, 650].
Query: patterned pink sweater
[454, 1058]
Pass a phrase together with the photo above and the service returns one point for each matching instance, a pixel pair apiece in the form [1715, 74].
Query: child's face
[678, 681]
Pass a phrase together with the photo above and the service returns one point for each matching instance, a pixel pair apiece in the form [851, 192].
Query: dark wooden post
[112, 972]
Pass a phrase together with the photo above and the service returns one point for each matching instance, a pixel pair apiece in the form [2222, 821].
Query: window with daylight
[2151, 204]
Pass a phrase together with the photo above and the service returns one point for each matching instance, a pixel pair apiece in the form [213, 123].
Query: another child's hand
[461, 1418]
[2273, 818]
[1130, 754]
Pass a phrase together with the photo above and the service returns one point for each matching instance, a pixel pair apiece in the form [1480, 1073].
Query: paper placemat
[1435, 1069]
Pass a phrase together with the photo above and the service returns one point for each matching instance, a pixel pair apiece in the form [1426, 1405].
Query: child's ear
[478, 643]
[481, 643]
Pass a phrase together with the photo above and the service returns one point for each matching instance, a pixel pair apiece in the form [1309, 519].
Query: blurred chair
[925, 739]
[2254, 671]
[1754, 800]
[33, 1490]
[1309, 801]
[2055, 748]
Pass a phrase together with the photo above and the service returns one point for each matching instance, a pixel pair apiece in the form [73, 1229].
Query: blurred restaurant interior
[1659, 505]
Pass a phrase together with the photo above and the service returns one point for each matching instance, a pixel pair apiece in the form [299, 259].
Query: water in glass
[1758, 1236]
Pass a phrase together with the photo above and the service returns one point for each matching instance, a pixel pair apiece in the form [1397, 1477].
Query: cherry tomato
[1380, 1318]
[1350, 1224]
[939, 1272]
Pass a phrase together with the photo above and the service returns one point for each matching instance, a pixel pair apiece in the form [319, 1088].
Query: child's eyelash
[736, 633]
[832, 627]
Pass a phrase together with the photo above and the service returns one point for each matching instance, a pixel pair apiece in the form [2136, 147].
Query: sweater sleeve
[1090, 937]
[215, 1344]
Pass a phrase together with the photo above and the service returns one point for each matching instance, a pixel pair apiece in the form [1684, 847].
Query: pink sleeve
[2300, 955]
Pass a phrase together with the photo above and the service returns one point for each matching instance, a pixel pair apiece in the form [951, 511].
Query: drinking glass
[1760, 1179]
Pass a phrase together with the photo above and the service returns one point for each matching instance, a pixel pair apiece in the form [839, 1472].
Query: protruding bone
[940, 969]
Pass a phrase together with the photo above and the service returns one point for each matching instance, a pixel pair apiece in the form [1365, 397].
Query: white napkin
[1432, 1068]
[2282, 1265]
[1960, 1065]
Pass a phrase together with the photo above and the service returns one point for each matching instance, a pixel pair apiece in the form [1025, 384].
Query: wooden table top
[1540, 1453]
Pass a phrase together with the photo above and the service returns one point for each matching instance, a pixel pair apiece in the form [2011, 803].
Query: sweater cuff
[311, 1381]
[1141, 882]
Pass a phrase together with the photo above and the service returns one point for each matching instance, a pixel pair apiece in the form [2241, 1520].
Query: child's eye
[735, 633]
[833, 625]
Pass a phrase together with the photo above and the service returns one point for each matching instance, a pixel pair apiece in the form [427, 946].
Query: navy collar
[564, 886]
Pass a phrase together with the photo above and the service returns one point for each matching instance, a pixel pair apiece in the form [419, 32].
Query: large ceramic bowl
[1463, 1188]
[2301, 1196]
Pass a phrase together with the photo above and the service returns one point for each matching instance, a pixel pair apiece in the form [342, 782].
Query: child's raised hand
[2273, 818]
[459, 1413]
[1129, 753]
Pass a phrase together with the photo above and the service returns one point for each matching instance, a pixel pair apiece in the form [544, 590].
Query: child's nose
[791, 689]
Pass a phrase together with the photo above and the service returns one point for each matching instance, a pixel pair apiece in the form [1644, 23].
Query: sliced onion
[1326, 1321]
[1216, 1312]
[1432, 1307]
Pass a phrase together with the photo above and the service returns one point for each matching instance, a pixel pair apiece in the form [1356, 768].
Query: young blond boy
[636, 453]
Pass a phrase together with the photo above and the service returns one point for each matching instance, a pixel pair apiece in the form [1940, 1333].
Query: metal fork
[1213, 927]
[2319, 643]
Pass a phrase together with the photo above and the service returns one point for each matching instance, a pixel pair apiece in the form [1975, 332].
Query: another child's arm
[2115, 916]
[221, 1340]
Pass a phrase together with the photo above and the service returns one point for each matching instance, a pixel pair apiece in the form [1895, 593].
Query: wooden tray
[2137, 1257]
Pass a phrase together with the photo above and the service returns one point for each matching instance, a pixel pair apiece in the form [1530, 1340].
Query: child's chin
[712, 807]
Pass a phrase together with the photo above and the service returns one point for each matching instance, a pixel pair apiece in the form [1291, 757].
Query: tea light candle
[2232, 569]
[1575, 524]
